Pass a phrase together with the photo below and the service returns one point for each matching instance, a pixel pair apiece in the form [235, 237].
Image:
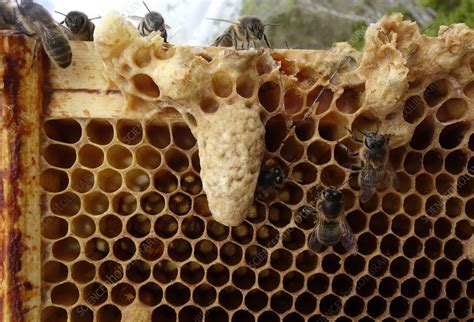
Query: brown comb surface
[115, 201]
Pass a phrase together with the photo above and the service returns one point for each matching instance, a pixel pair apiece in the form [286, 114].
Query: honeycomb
[127, 233]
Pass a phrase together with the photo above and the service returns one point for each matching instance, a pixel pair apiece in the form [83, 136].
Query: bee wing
[42, 31]
[225, 40]
[391, 178]
[367, 193]
[369, 180]
[313, 242]
[348, 240]
[138, 18]
[55, 43]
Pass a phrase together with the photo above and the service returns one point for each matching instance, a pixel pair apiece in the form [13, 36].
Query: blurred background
[303, 23]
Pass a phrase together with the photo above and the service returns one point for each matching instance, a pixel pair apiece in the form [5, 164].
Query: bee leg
[355, 168]
[217, 41]
[261, 194]
[266, 41]
[348, 151]
[20, 31]
[355, 138]
[248, 42]
[234, 38]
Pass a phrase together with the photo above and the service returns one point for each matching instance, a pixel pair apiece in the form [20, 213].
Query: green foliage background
[301, 27]
[449, 12]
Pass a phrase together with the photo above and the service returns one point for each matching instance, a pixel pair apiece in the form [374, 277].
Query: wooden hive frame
[409, 235]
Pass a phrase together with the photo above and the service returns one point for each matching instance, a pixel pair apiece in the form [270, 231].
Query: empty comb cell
[137, 203]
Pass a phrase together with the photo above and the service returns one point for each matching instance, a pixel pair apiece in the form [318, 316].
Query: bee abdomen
[329, 233]
[57, 47]
[372, 176]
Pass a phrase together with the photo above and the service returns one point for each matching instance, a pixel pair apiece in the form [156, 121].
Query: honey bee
[245, 30]
[78, 26]
[7, 16]
[331, 225]
[36, 20]
[375, 167]
[271, 177]
[153, 21]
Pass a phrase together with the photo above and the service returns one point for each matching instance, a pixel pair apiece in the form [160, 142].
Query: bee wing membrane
[134, 17]
[369, 184]
[55, 43]
[367, 192]
[348, 239]
[391, 178]
[313, 242]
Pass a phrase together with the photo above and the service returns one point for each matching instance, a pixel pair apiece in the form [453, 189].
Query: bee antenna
[59, 13]
[146, 7]
[223, 20]
[343, 183]
[361, 132]
[347, 181]
[95, 18]
[271, 24]
[319, 191]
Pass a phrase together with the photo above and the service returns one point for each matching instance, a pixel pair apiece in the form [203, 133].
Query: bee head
[332, 194]
[154, 21]
[75, 21]
[374, 141]
[332, 202]
[257, 28]
[278, 176]
[25, 4]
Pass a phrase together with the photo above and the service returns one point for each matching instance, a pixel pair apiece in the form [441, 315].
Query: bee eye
[368, 143]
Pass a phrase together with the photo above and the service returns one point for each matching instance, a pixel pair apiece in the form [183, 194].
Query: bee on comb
[375, 166]
[331, 226]
[78, 25]
[245, 31]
